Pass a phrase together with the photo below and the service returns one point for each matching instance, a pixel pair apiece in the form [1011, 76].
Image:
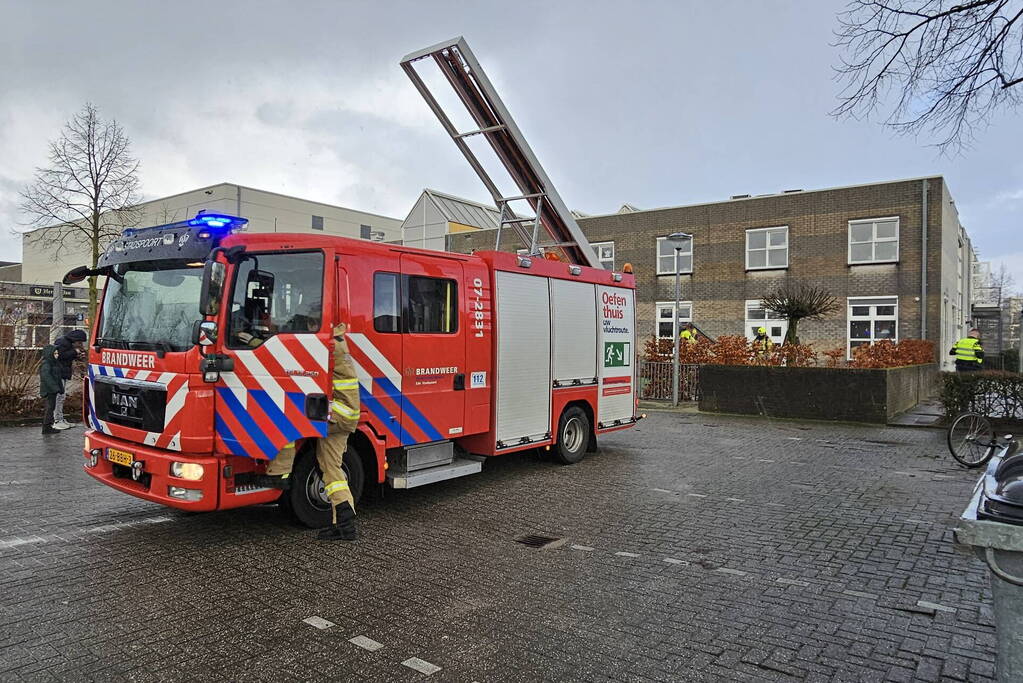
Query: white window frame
[874, 240]
[769, 320]
[872, 302]
[671, 258]
[670, 307]
[768, 248]
[605, 263]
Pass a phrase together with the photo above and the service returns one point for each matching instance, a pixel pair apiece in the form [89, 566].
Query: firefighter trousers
[330, 451]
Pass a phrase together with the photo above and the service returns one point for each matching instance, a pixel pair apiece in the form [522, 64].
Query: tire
[574, 433]
[305, 501]
[971, 440]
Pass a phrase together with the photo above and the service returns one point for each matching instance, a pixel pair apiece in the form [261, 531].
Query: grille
[131, 404]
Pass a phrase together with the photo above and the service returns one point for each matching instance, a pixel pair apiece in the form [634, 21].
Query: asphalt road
[690, 548]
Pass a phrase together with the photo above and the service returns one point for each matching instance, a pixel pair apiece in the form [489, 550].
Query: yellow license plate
[120, 457]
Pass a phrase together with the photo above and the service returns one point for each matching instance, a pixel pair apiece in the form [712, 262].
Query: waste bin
[992, 525]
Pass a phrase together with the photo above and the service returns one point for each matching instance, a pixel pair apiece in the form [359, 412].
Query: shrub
[658, 350]
[995, 394]
[793, 356]
[887, 354]
[733, 350]
[19, 380]
[835, 358]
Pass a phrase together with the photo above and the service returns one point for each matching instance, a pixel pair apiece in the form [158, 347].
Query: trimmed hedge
[998, 395]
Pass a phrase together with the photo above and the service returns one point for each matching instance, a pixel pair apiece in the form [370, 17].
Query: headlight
[187, 470]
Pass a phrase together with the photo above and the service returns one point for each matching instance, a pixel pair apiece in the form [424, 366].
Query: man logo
[124, 401]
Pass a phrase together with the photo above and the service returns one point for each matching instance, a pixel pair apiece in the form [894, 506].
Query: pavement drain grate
[537, 541]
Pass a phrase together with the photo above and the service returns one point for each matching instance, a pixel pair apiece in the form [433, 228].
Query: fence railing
[655, 381]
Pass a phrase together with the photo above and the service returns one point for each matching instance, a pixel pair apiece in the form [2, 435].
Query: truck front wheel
[573, 436]
[306, 501]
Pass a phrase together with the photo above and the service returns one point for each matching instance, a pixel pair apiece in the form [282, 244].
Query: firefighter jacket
[344, 404]
[763, 344]
[968, 350]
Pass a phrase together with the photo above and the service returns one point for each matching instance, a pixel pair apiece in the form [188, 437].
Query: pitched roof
[464, 211]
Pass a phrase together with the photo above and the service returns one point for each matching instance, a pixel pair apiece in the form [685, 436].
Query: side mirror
[204, 332]
[76, 275]
[213, 277]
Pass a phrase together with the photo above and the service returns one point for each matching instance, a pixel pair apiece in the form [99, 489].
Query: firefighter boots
[343, 528]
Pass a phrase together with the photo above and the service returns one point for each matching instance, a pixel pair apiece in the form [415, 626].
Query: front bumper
[153, 480]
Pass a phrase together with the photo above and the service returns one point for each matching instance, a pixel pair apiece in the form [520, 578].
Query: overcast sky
[651, 103]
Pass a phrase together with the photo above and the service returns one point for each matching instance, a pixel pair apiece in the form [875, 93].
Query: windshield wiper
[101, 342]
[161, 347]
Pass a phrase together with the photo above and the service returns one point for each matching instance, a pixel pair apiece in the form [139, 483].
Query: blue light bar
[218, 221]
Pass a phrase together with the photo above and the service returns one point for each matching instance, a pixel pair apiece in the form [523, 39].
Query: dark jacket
[66, 351]
[50, 381]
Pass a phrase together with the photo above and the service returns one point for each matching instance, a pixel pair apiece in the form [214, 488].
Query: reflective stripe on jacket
[966, 350]
[344, 404]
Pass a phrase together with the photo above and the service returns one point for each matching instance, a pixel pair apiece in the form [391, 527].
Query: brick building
[863, 243]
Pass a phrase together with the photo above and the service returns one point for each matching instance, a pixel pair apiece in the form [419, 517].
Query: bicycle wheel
[971, 440]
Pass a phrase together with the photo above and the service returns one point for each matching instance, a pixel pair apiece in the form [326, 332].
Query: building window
[431, 305]
[365, 232]
[757, 316]
[767, 248]
[872, 319]
[666, 256]
[317, 223]
[666, 329]
[875, 240]
[605, 252]
[386, 313]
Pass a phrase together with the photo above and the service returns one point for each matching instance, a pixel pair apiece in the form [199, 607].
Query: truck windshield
[151, 305]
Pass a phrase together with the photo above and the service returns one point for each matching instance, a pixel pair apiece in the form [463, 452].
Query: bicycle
[971, 440]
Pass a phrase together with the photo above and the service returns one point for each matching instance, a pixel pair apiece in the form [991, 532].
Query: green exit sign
[616, 354]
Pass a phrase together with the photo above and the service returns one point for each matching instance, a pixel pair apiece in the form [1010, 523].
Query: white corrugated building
[266, 211]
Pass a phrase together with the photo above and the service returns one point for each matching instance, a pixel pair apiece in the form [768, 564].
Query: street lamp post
[678, 240]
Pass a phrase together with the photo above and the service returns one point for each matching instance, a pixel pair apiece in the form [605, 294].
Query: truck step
[459, 467]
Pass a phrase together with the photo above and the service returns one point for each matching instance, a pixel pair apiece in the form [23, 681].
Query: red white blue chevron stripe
[380, 394]
[260, 406]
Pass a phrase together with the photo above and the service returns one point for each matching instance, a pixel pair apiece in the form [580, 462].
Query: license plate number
[120, 457]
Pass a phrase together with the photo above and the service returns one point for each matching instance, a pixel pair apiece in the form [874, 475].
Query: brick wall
[818, 224]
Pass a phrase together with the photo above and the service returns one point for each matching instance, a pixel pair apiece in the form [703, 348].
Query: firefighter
[688, 335]
[344, 418]
[762, 344]
[968, 352]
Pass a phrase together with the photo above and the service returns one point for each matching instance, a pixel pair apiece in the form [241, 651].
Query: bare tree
[87, 194]
[796, 302]
[940, 65]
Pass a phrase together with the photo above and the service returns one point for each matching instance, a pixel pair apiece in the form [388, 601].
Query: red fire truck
[212, 350]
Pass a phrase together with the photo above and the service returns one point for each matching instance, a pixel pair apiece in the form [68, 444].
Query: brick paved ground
[698, 548]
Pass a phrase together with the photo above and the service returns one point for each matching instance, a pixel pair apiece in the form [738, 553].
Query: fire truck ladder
[465, 75]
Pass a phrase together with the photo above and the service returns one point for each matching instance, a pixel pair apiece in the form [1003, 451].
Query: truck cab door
[433, 348]
[279, 339]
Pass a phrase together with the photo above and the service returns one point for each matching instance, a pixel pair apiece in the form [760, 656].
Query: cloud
[660, 104]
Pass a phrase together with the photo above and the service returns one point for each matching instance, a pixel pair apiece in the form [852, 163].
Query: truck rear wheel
[573, 436]
[306, 501]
